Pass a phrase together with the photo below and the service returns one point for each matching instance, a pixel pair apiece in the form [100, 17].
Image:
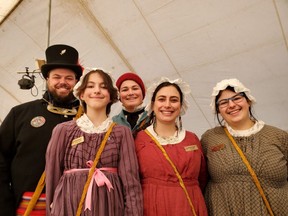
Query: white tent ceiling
[200, 41]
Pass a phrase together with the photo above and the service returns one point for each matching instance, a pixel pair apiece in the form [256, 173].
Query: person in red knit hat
[131, 94]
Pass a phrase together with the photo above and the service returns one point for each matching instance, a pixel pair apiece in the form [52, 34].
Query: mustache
[63, 85]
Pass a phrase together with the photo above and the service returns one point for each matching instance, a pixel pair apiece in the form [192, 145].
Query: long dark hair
[220, 121]
[109, 84]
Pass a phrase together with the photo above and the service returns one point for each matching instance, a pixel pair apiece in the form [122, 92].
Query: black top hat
[61, 56]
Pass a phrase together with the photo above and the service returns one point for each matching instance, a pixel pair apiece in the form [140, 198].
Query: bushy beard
[60, 100]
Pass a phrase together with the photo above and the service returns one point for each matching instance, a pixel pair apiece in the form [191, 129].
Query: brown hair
[109, 84]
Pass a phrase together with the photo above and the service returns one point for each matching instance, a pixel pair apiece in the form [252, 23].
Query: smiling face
[167, 105]
[234, 111]
[130, 95]
[95, 95]
[60, 83]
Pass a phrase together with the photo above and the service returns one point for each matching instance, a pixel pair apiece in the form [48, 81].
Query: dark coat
[22, 150]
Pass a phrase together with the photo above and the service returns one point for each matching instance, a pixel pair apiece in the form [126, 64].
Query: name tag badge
[38, 121]
[216, 148]
[191, 148]
[77, 141]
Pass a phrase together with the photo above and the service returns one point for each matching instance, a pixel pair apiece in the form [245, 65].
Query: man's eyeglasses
[236, 99]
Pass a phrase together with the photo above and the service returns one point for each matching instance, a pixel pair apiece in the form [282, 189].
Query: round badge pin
[38, 121]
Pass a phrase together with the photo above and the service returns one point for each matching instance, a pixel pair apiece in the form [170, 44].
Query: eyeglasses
[236, 99]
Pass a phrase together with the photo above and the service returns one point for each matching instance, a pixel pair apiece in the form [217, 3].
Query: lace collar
[245, 133]
[87, 126]
[175, 139]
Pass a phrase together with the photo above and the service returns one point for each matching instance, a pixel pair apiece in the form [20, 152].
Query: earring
[180, 123]
[153, 121]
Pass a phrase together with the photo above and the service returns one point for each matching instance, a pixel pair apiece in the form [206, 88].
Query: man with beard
[26, 131]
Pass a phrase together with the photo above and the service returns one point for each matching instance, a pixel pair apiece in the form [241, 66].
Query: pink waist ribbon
[99, 178]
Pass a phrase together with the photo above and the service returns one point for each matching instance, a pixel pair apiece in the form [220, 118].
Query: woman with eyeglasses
[246, 158]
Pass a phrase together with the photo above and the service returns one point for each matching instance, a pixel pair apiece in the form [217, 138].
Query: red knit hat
[131, 76]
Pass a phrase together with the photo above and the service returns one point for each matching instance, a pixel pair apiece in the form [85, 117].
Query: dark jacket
[22, 150]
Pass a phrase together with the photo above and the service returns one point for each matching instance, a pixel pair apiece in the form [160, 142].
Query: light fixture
[27, 81]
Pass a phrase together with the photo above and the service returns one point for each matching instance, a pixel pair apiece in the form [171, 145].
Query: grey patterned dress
[231, 190]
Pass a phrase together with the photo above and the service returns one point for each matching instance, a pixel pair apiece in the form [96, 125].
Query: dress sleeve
[7, 140]
[203, 173]
[286, 150]
[129, 174]
[204, 144]
[54, 163]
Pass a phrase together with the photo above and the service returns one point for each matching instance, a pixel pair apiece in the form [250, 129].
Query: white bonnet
[185, 88]
[78, 84]
[222, 85]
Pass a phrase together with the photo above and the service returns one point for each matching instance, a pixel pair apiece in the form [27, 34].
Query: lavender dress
[73, 144]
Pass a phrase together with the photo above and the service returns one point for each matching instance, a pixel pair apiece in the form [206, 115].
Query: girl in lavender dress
[115, 189]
